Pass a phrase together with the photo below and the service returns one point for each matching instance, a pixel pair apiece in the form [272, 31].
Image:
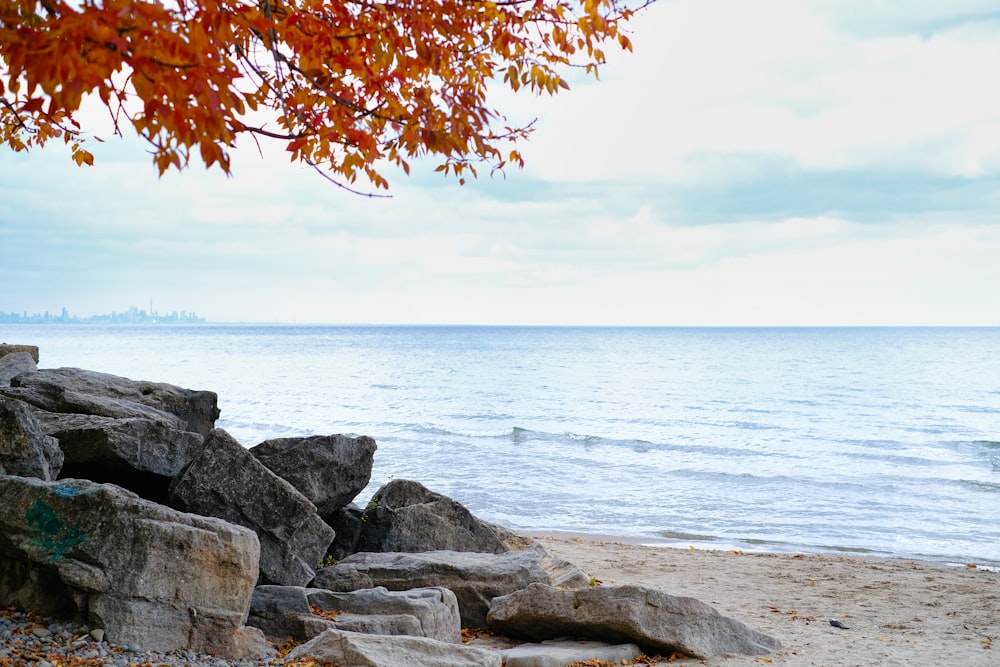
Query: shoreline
[754, 548]
[889, 611]
[896, 611]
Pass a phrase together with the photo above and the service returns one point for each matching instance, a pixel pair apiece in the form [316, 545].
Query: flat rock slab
[339, 647]
[656, 621]
[142, 445]
[91, 393]
[567, 652]
[284, 612]
[475, 578]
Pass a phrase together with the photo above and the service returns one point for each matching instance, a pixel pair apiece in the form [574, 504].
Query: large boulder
[329, 470]
[224, 480]
[8, 349]
[362, 650]
[140, 455]
[407, 516]
[14, 364]
[144, 573]
[91, 393]
[25, 449]
[655, 621]
[293, 612]
[475, 578]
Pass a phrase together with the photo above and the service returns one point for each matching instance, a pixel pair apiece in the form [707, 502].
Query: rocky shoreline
[27, 639]
[163, 540]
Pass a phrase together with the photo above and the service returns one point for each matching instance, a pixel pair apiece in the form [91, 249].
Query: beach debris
[838, 624]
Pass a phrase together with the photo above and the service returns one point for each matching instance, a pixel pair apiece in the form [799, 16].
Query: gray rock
[656, 621]
[25, 449]
[224, 480]
[329, 470]
[140, 455]
[31, 350]
[287, 612]
[407, 516]
[141, 572]
[475, 578]
[346, 522]
[88, 392]
[435, 610]
[14, 364]
[568, 652]
[360, 650]
[280, 612]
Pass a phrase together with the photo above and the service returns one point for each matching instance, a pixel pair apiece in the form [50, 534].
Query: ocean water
[878, 441]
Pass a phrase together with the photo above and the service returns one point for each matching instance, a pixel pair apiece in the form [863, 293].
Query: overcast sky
[800, 162]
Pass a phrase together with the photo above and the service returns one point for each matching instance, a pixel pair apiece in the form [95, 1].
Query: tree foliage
[348, 86]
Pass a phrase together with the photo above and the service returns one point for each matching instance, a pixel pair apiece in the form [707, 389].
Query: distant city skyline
[133, 315]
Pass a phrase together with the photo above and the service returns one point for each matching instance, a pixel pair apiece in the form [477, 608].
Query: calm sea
[860, 440]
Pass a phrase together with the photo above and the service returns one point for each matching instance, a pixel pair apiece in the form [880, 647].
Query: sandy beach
[896, 612]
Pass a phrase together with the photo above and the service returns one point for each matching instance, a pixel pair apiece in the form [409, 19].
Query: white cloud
[778, 78]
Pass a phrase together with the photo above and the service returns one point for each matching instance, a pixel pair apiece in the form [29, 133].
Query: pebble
[28, 640]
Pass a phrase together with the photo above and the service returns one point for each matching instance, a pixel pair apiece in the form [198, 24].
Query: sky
[775, 163]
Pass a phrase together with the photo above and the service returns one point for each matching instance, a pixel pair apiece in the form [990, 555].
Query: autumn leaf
[348, 88]
[82, 157]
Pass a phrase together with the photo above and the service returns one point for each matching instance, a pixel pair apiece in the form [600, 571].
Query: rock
[141, 572]
[224, 480]
[140, 455]
[360, 650]
[475, 578]
[14, 364]
[656, 621]
[407, 516]
[435, 609]
[87, 392]
[286, 612]
[282, 613]
[31, 350]
[512, 540]
[346, 523]
[568, 652]
[25, 449]
[329, 470]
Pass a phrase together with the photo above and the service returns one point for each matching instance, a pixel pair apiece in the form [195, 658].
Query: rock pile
[122, 507]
